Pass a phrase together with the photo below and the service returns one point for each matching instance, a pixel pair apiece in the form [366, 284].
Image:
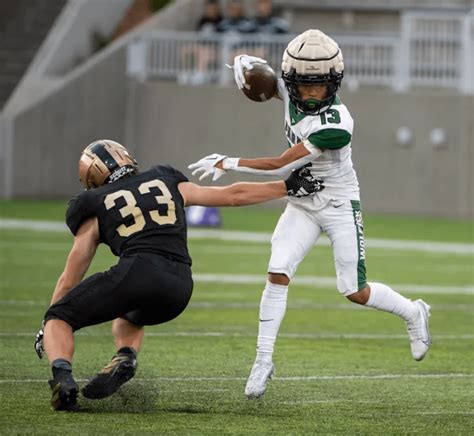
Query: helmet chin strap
[312, 103]
[313, 106]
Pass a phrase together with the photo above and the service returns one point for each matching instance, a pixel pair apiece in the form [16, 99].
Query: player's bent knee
[55, 313]
[361, 296]
[54, 318]
[278, 279]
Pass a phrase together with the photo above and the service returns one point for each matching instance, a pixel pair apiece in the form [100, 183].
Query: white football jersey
[331, 132]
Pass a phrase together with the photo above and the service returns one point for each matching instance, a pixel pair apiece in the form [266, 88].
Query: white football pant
[299, 229]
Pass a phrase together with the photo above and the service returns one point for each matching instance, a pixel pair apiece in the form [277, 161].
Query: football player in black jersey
[141, 217]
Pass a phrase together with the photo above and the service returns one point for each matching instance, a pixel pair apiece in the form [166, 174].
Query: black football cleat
[118, 371]
[64, 392]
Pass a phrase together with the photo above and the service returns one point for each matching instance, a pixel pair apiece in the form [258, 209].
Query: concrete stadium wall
[49, 137]
[376, 4]
[164, 122]
[178, 125]
[45, 125]
[73, 40]
[351, 22]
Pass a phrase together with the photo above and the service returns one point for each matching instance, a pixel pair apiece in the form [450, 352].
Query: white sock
[384, 298]
[272, 311]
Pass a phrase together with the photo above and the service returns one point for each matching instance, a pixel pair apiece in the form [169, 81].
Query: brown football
[260, 83]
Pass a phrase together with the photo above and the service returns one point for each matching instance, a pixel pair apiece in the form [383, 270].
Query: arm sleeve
[283, 171]
[79, 209]
[329, 139]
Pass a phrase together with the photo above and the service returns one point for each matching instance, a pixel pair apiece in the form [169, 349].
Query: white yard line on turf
[324, 282]
[284, 379]
[248, 334]
[239, 236]
[295, 304]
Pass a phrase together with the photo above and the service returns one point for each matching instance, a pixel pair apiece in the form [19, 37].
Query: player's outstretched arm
[295, 157]
[78, 262]
[79, 259]
[237, 194]
[300, 183]
[290, 159]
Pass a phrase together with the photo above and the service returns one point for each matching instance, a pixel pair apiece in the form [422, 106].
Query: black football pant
[143, 288]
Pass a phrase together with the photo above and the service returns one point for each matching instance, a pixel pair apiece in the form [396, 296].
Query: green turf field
[340, 368]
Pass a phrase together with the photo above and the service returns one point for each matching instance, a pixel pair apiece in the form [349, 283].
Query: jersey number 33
[131, 208]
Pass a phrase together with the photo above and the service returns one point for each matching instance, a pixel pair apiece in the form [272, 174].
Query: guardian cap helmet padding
[105, 161]
[312, 58]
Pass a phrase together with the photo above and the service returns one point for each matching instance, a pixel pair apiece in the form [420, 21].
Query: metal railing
[432, 50]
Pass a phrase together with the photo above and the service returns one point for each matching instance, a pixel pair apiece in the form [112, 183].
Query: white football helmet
[312, 58]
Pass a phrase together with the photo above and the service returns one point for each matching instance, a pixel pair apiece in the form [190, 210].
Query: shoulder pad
[330, 138]
[79, 209]
[168, 169]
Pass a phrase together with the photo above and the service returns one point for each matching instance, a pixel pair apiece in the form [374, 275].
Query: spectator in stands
[266, 22]
[202, 55]
[211, 17]
[235, 20]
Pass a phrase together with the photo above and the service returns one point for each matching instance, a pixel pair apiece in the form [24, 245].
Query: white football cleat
[418, 331]
[261, 372]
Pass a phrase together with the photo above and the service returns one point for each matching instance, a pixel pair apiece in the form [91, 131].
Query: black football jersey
[141, 213]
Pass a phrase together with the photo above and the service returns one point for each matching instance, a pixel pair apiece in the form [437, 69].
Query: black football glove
[301, 183]
[39, 348]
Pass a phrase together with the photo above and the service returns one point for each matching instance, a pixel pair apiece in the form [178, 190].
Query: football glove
[243, 63]
[206, 166]
[301, 183]
[39, 348]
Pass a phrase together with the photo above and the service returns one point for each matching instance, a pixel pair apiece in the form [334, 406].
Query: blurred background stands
[408, 82]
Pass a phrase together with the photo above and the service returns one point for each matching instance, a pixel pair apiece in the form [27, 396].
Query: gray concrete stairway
[23, 26]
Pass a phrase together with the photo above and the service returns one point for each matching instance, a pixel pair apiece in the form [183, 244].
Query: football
[260, 83]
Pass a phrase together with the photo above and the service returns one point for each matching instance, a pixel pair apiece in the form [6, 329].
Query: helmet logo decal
[104, 161]
[99, 150]
[313, 59]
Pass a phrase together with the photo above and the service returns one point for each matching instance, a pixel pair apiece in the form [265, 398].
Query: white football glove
[244, 63]
[206, 166]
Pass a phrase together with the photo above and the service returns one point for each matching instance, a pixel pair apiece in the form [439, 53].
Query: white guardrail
[432, 50]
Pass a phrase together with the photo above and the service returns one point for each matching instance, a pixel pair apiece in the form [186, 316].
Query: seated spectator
[201, 57]
[266, 22]
[235, 20]
[210, 18]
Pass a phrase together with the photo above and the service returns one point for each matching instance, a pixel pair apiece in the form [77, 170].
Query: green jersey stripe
[330, 138]
[361, 272]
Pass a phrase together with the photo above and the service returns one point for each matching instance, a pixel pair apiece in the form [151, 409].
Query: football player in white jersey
[319, 133]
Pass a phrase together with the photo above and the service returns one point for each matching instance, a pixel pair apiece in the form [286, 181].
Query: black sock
[128, 351]
[60, 365]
